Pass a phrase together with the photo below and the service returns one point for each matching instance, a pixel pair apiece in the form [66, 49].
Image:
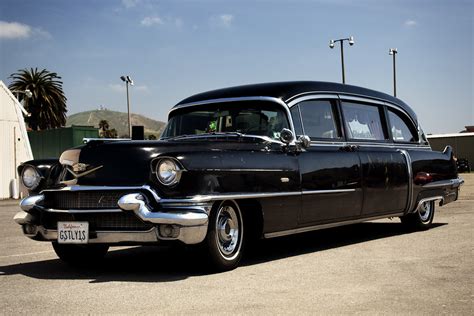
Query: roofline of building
[449, 135]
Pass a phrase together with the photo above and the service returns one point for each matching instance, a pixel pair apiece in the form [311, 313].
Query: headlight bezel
[35, 182]
[171, 165]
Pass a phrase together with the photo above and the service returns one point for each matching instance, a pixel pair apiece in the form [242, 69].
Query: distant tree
[103, 127]
[151, 137]
[47, 106]
[112, 133]
[104, 130]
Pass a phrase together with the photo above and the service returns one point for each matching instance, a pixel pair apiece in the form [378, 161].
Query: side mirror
[286, 136]
[304, 141]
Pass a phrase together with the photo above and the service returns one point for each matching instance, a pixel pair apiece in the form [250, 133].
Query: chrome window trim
[252, 98]
[312, 97]
[328, 225]
[343, 97]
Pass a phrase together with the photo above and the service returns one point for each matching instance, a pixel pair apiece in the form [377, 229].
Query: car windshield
[247, 117]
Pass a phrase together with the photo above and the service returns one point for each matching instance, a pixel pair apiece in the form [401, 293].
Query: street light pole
[393, 52]
[127, 81]
[331, 45]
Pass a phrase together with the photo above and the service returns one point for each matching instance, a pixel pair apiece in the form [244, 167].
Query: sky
[173, 49]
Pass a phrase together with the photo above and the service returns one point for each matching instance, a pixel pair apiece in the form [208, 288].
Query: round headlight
[168, 172]
[30, 177]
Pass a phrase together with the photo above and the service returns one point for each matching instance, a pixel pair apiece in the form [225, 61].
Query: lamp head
[392, 51]
[331, 44]
[129, 80]
[351, 40]
[123, 78]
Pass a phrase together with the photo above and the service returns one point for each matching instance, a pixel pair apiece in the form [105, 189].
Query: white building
[14, 143]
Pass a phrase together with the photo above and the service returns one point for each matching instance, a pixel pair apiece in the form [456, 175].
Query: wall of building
[14, 143]
[51, 143]
[462, 143]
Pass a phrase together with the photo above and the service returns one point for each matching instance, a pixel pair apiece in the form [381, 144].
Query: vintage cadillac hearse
[263, 160]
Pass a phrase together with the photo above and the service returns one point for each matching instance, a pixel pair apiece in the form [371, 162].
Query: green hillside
[117, 120]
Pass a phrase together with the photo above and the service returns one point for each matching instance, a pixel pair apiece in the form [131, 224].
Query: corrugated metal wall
[14, 143]
[463, 145]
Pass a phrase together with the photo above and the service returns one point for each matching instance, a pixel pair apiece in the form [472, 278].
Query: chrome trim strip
[136, 202]
[433, 198]
[329, 225]
[29, 202]
[453, 183]
[407, 157]
[360, 99]
[339, 93]
[367, 144]
[252, 98]
[109, 237]
[83, 211]
[312, 97]
[243, 170]
[328, 191]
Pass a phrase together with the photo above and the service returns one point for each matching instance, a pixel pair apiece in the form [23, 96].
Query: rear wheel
[422, 218]
[225, 236]
[80, 254]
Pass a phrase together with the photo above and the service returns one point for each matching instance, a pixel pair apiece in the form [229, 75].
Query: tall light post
[128, 81]
[393, 52]
[350, 39]
[28, 94]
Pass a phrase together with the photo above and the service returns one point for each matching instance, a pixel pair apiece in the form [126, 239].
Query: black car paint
[377, 173]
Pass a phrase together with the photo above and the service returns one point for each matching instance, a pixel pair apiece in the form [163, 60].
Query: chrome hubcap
[425, 211]
[228, 230]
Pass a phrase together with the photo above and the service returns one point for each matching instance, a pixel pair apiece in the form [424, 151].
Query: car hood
[128, 163]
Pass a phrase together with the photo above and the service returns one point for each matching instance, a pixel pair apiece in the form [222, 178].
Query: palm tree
[48, 103]
[103, 127]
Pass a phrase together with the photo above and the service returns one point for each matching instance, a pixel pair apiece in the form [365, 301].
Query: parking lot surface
[369, 268]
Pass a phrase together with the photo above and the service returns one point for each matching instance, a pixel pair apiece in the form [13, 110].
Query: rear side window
[402, 130]
[319, 119]
[362, 121]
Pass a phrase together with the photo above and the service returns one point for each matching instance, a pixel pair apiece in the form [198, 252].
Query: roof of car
[288, 90]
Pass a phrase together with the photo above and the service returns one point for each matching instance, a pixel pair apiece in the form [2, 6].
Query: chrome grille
[122, 221]
[65, 200]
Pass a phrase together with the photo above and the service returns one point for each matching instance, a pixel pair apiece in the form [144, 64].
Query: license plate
[73, 232]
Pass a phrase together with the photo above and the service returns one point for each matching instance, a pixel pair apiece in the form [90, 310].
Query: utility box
[51, 143]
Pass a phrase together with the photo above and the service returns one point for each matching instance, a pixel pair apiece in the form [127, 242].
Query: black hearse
[263, 160]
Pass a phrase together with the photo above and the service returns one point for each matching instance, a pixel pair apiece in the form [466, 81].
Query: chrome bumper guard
[186, 221]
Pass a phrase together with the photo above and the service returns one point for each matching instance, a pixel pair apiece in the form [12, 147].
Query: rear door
[330, 170]
[385, 175]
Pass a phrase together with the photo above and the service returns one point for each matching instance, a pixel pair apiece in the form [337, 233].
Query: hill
[117, 120]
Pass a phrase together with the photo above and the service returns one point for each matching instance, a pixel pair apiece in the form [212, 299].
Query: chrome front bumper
[183, 220]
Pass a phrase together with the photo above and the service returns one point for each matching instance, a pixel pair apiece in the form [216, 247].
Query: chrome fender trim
[136, 202]
[429, 199]
[452, 183]
[31, 201]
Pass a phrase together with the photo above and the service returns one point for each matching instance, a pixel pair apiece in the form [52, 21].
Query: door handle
[349, 148]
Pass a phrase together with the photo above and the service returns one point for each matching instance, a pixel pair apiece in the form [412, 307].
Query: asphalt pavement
[368, 268]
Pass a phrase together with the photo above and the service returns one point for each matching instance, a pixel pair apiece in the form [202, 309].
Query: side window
[362, 121]
[295, 114]
[402, 131]
[319, 119]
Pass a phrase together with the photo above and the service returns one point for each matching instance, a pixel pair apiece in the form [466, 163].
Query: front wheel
[225, 236]
[80, 254]
[422, 218]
